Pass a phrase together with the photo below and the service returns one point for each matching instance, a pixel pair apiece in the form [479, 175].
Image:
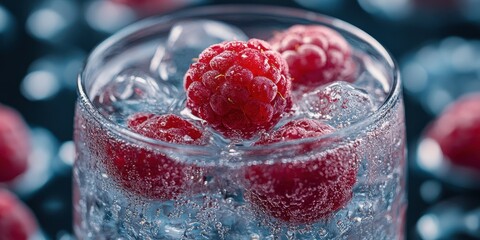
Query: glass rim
[254, 9]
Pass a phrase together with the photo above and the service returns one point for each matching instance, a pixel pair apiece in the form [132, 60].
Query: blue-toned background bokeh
[44, 43]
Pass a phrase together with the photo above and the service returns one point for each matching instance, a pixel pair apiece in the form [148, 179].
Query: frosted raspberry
[457, 132]
[316, 55]
[239, 87]
[153, 174]
[16, 220]
[14, 144]
[303, 191]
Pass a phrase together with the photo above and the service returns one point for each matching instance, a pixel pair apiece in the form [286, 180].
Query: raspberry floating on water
[16, 220]
[303, 191]
[149, 173]
[457, 132]
[316, 55]
[239, 87]
[14, 144]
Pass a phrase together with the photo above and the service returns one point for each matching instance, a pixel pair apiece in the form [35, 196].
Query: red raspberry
[316, 55]
[14, 144]
[303, 191]
[239, 87]
[457, 132]
[16, 220]
[149, 173]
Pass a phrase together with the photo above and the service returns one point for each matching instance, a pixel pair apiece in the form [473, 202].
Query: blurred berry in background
[449, 148]
[14, 144]
[16, 220]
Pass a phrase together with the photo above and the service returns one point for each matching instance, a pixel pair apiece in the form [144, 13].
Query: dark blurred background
[43, 44]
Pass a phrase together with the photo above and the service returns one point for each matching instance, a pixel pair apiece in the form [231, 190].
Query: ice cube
[186, 41]
[135, 91]
[340, 104]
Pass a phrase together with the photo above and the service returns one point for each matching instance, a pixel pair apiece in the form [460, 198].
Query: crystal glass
[348, 184]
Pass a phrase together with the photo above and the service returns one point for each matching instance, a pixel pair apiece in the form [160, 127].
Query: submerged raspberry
[153, 174]
[316, 55]
[14, 144]
[457, 132]
[239, 87]
[16, 220]
[303, 191]
[169, 128]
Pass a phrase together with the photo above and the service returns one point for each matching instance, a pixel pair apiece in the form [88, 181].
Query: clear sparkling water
[134, 90]
[106, 210]
[339, 104]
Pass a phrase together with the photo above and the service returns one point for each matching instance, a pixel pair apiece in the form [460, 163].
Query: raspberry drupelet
[316, 55]
[238, 87]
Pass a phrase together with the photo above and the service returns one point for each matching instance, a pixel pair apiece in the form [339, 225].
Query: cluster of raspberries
[241, 89]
